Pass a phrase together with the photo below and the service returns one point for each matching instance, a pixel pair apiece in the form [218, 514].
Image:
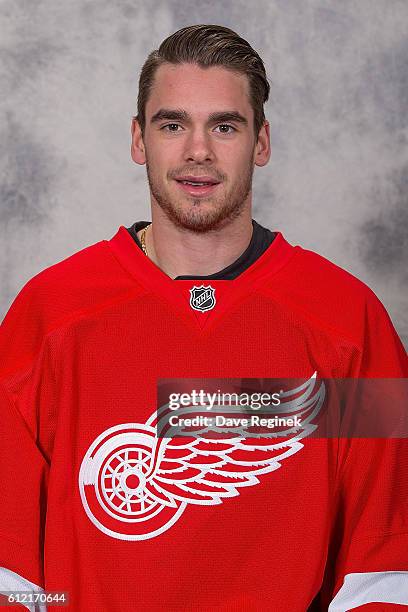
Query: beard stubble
[195, 219]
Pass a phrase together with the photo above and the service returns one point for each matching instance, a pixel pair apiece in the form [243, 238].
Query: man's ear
[263, 146]
[137, 149]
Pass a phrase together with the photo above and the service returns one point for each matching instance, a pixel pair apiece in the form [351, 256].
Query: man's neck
[179, 252]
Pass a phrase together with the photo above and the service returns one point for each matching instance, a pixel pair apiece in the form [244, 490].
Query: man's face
[199, 127]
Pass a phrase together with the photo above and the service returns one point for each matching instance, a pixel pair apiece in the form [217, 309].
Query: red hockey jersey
[94, 505]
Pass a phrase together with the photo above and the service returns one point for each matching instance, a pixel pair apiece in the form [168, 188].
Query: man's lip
[198, 179]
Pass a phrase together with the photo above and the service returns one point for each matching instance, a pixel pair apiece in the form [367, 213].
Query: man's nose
[199, 147]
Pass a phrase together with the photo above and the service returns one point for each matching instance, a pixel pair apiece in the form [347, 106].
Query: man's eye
[226, 128]
[170, 127]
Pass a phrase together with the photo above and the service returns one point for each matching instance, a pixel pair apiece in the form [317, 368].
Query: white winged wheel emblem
[135, 485]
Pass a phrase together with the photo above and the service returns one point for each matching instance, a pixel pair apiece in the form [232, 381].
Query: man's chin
[194, 214]
[196, 219]
[199, 215]
[195, 223]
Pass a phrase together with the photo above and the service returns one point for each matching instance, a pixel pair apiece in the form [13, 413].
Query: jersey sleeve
[369, 549]
[24, 462]
[23, 486]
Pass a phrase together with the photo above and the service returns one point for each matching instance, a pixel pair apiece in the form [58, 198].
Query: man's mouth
[203, 179]
[193, 183]
[199, 186]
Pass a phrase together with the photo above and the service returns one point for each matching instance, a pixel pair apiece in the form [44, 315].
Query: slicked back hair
[205, 46]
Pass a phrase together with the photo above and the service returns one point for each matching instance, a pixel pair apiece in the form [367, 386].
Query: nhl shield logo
[202, 298]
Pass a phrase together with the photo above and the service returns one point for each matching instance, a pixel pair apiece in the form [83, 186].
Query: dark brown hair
[207, 45]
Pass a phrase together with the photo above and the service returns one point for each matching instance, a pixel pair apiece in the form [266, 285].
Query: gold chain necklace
[143, 240]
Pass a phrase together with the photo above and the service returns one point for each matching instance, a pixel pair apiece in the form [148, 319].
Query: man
[95, 502]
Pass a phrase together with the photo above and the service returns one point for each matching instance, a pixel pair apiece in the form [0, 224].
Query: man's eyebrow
[227, 116]
[168, 114]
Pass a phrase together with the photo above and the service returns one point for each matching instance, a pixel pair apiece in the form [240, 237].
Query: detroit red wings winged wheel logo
[135, 485]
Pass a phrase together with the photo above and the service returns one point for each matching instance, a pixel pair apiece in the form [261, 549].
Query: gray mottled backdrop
[337, 180]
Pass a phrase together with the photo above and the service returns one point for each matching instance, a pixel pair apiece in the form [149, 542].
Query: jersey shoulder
[82, 280]
[82, 283]
[327, 295]
[329, 279]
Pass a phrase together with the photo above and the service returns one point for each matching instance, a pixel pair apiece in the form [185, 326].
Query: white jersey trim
[371, 587]
[10, 581]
